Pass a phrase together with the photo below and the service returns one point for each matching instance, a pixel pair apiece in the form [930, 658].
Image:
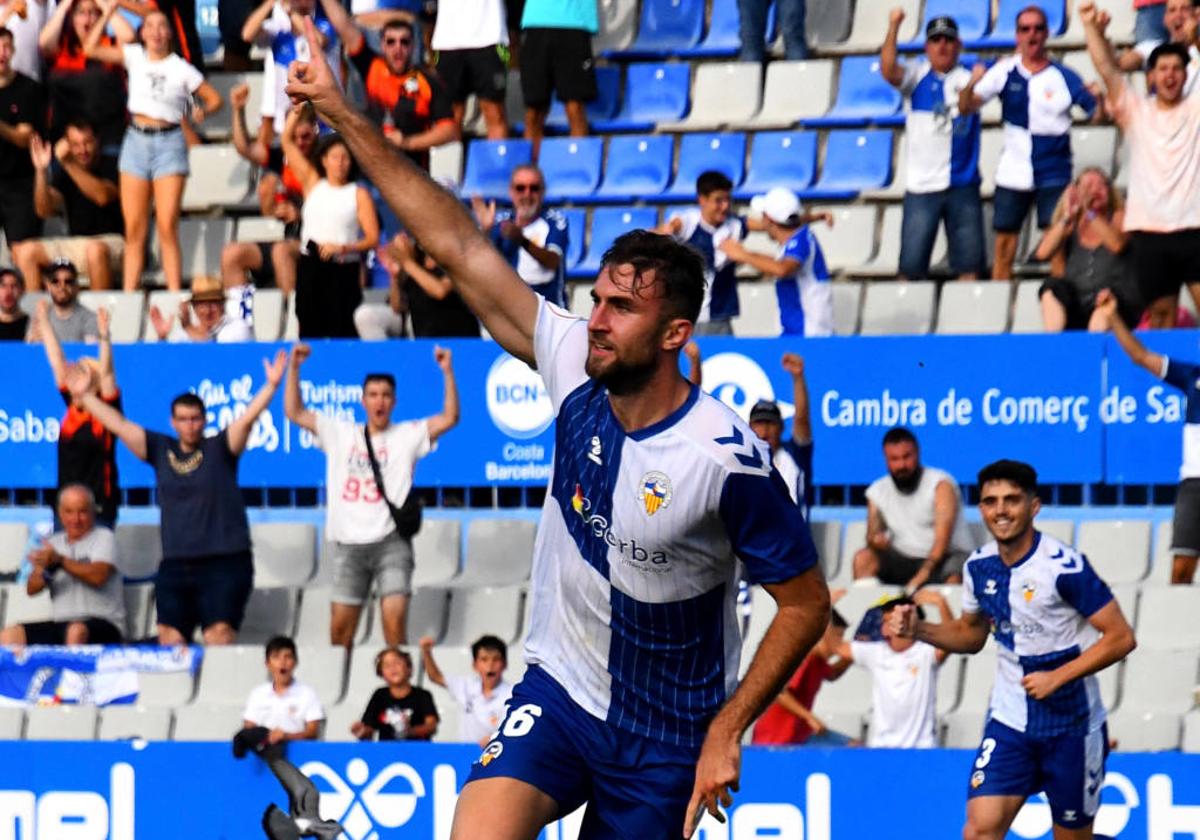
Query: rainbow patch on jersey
[656, 492]
[579, 501]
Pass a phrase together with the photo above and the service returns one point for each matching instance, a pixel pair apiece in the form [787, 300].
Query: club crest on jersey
[491, 752]
[655, 490]
[990, 587]
[1028, 591]
[977, 778]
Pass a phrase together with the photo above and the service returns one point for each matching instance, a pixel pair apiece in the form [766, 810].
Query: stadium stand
[571, 167]
[636, 166]
[666, 27]
[780, 159]
[653, 93]
[722, 94]
[863, 97]
[699, 153]
[489, 165]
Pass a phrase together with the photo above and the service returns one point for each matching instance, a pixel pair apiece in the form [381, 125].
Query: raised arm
[51, 33]
[92, 47]
[889, 65]
[931, 597]
[1153, 362]
[967, 634]
[108, 373]
[54, 352]
[439, 424]
[301, 166]
[238, 432]
[802, 420]
[968, 101]
[97, 190]
[432, 671]
[252, 151]
[484, 279]
[252, 28]
[345, 27]
[293, 402]
[79, 383]
[1100, 50]
[769, 266]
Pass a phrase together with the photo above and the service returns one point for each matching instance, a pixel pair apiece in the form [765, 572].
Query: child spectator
[789, 720]
[482, 698]
[399, 711]
[288, 708]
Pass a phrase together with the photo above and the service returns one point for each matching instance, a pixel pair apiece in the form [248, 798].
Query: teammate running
[1056, 624]
[629, 702]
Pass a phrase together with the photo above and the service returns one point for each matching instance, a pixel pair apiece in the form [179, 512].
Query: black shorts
[1165, 261]
[201, 591]
[482, 71]
[1079, 310]
[100, 632]
[896, 569]
[17, 216]
[1185, 537]
[264, 275]
[558, 60]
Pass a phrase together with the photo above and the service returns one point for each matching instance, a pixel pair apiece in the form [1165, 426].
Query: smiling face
[625, 330]
[156, 34]
[714, 207]
[395, 669]
[83, 145]
[1179, 18]
[1007, 510]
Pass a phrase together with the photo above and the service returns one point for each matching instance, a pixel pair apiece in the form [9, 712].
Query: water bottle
[38, 532]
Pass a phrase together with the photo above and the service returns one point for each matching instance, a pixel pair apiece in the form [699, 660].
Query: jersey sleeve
[912, 75]
[799, 247]
[192, 78]
[557, 233]
[993, 81]
[329, 432]
[1081, 587]
[155, 444]
[766, 529]
[560, 350]
[1178, 374]
[1080, 95]
[970, 604]
[104, 548]
[865, 654]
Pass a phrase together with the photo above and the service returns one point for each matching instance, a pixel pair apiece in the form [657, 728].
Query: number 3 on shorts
[521, 720]
[985, 753]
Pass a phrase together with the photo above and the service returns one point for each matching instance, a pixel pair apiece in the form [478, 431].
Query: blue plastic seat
[854, 161]
[638, 167]
[666, 27]
[603, 107]
[576, 233]
[863, 96]
[1004, 32]
[780, 159]
[654, 93]
[724, 37]
[972, 16]
[724, 153]
[571, 166]
[490, 164]
[607, 224]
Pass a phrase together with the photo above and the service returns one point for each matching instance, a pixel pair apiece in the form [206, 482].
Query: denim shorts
[962, 212]
[1012, 206]
[355, 566]
[152, 156]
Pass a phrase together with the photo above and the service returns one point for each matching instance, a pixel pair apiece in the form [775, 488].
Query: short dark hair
[188, 400]
[13, 273]
[324, 145]
[403, 654]
[5, 32]
[1168, 48]
[379, 377]
[899, 434]
[1018, 472]
[398, 23]
[678, 267]
[489, 642]
[710, 181]
[278, 643]
[81, 124]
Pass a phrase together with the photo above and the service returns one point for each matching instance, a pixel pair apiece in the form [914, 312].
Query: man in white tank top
[916, 533]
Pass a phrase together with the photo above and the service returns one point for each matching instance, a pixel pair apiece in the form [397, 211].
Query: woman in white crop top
[154, 155]
[336, 209]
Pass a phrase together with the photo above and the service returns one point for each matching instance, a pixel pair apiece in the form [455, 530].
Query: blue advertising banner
[198, 791]
[1070, 404]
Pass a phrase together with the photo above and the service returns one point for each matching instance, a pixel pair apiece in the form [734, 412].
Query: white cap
[779, 205]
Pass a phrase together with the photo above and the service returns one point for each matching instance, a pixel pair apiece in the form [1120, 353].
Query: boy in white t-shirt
[289, 709]
[483, 697]
[358, 520]
[904, 672]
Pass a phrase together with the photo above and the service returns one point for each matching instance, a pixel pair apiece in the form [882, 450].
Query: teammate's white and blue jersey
[805, 296]
[1186, 377]
[720, 272]
[1039, 610]
[549, 230]
[943, 145]
[1037, 121]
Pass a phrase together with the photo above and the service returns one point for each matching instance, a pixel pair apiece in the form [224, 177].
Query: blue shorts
[1069, 768]
[200, 591]
[635, 788]
[1010, 207]
[151, 156]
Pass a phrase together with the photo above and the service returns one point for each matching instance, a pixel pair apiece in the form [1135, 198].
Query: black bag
[408, 516]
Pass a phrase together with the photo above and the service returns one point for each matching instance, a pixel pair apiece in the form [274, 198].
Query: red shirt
[778, 725]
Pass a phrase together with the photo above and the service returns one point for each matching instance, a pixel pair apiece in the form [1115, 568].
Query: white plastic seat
[1120, 29]
[893, 192]
[125, 309]
[499, 553]
[168, 304]
[339, 719]
[1191, 732]
[14, 540]
[324, 668]
[1145, 731]
[1158, 681]
[426, 616]
[361, 679]
[484, 610]
[722, 93]
[1094, 146]
[220, 177]
[618, 24]
[1167, 618]
[22, 608]
[121, 723]
[759, 310]
[1160, 567]
[853, 539]
[259, 229]
[886, 260]
[1062, 530]
[271, 611]
[1118, 549]
[851, 694]
[60, 723]
[1127, 595]
[201, 242]
[220, 124]
[870, 24]
[847, 304]
[446, 163]
[793, 91]
[898, 308]
[437, 548]
[12, 723]
[285, 553]
[581, 299]
[843, 243]
[229, 673]
[165, 690]
[962, 729]
[207, 722]
[949, 682]
[312, 618]
[268, 314]
[453, 661]
[139, 548]
[973, 308]
[979, 674]
[991, 142]
[827, 536]
[1027, 308]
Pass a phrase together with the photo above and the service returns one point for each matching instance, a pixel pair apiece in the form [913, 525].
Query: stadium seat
[973, 308]
[475, 611]
[1127, 595]
[1160, 566]
[339, 719]
[972, 16]
[847, 303]
[285, 553]
[138, 599]
[780, 159]
[426, 616]
[654, 93]
[828, 23]
[665, 27]
[446, 163]
[843, 241]
[123, 723]
[576, 235]
[271, 611]
[1157, 691]
[259, 229]
[723, 38]
[453, 661]
[571, 167]
[222, 178]
[165, 690]
[139, 548]
[490, 164]
[1027, 309]
[168, 304]
[870, 24]
[581, 299]
[201, 242]
[312, 621]
[14, 541]
[1166, 618]
[1119, 550]
[499, 553]
[1004, 29]
[861, 597]
[885, 261]
[863, 96]
[762, 613]
[60, 723]
[12, 723]
[850, 695]
[898, 308]
[1120, 28]
[853, 538]
[21, 608]
[793, 91]
[437, 548]
[854, 161]
[268, 314]
[208, 721]
[1094, 145]
[1191, 732]
[220, 125]
[618, 23]
[124, 309]
[607, 224]
[604, 107]
[1081, 63]
[229, 673]
[324, 668]
[1145, 731]
[827, 536]
[291, 324]
[963, 730]
[698, 153]
[637, 167]
[722, 93]
[759, 305]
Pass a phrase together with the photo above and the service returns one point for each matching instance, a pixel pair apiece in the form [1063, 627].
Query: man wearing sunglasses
[71, 321]
[1035, 161]
[531, 237]
[942, 149]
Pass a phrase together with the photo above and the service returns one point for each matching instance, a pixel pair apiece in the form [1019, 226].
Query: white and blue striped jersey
[548, 230]
[943, 145]
[636, 563]
[1037, 121]
[805, 297]
[720, 272]
[1039, 609]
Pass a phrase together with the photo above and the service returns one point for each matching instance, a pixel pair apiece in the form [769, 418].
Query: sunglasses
[60, 280]
[936, 39]
[532, 188]
[1032, 27]
[391, 42]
